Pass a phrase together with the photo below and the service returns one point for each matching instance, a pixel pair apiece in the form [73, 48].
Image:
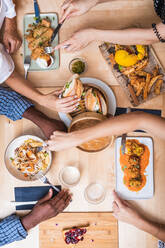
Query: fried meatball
[134, 160]
[135, 182]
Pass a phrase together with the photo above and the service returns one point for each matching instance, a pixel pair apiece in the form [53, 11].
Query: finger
[12, 46]
[66, 13]
[115, 206]
[7, 46]
[70, 104]
[117, 199]
[65, 197]
[58, 196]
[47, 197]
[68, 109]
[67, 99]
[18, 45]
[62, 206]
[65, 43]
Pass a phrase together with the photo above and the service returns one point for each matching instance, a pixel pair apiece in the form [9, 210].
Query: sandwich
[74, 87]
[95, 102]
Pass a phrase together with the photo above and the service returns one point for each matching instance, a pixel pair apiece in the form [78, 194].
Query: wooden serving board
[102, 232]
[124, 81]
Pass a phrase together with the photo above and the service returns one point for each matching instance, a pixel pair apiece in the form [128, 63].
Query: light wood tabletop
[117, 14]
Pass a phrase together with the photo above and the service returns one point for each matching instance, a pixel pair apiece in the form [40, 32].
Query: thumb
[117, 199]
[47, 197]
[63, 44]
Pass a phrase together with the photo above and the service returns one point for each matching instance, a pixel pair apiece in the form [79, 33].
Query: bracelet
[157, 33]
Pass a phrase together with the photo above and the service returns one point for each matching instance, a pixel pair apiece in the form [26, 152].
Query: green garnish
[124, 167]
[94, 94]
[67, 85]
[120, 67]
[83, 94]
[46, 154]
[36, 18]
[40, 43]
[11, 159]
[137, 166]
[100, 112]
[53, 18]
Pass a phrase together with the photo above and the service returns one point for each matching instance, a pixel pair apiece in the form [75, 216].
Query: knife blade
[37, 11]
[124, 136]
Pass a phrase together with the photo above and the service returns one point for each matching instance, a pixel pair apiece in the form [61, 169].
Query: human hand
[72, 8]
[125, 212]
[65, 105]
[78, 41]
[46, 208]
[61, 141]
[11, 41]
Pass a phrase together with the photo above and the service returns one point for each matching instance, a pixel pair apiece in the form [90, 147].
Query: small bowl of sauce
[77, 66]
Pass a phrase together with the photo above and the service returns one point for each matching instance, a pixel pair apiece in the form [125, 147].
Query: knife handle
[56, 31]
[37, 11]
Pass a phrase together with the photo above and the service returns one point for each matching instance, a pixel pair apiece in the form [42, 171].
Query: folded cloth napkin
[120, 111]
[25, 194]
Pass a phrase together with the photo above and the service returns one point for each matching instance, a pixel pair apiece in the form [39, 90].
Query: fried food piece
[38, 31]
[133, 95]
[135, 182]
[155, 71]
[153, 80]
[36, 53]
[145, 91]
[41, 40]
[133, 171]
[134, 160]
[141, 73]
[112, 59]
[133, 148]
[46, 22]
[141, 86]
[158, 86]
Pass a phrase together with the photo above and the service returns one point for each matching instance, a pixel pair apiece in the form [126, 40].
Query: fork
[27, 63]
[45, 180]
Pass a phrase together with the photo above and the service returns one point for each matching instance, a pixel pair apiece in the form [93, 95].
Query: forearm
[23, 87]
[123, 124]
[155, 229]
[132, 36]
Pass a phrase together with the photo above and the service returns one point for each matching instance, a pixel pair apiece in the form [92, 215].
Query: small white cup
[69, 176]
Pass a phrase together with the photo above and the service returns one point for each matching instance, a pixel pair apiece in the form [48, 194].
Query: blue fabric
[12, 104]
[161, 244]
[11, 230]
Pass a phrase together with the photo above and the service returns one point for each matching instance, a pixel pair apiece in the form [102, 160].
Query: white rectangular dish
[30, 19]
[148, 191]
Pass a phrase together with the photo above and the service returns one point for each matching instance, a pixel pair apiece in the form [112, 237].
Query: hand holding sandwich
[64, 105]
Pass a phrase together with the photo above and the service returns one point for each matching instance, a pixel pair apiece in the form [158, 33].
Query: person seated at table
[8, 74]
[15, 228]
[82, 38]
[118, 125]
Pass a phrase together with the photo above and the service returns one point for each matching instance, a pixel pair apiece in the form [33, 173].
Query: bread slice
[78, 229]
[74, 87]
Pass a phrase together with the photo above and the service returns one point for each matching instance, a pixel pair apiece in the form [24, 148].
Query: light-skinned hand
[64, 105]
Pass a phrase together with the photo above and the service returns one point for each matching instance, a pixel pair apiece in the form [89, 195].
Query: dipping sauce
[77, 66]
[43, 63]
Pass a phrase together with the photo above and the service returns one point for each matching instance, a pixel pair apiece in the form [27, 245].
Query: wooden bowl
[89, 119]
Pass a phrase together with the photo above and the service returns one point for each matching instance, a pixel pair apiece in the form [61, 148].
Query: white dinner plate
[108, 91]
[9, 153]
[148, 191]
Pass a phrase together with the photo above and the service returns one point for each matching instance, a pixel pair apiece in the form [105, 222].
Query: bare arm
[22, 86]
[136, 35]
[114, 126]
[124, 211]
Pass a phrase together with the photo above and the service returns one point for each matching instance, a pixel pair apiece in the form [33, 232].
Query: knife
[123, 139]
[56, 31]
[23, 203]
[37, 11]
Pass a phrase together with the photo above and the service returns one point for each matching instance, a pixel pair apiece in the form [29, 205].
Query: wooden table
[117, 14]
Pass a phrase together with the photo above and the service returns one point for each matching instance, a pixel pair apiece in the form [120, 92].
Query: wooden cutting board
[102, 232]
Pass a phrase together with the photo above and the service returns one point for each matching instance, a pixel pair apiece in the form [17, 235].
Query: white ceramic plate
[29, 19]
[9, 153]
[110, 95]
[148, 191]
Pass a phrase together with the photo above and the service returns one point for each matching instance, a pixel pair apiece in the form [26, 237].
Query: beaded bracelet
[157, 33]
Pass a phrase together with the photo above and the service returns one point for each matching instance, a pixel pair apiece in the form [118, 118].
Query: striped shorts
[12, 104]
